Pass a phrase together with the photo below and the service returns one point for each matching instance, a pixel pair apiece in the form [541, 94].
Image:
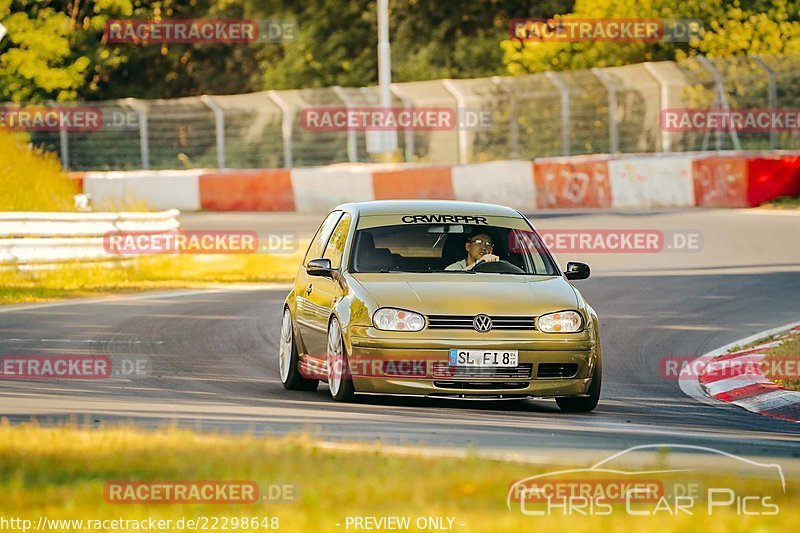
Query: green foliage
[180, 69]
[746, 32]
[736, 28]
[52, 49]
[55, 49]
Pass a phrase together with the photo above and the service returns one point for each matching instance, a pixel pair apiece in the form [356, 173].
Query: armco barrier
[735, 179]
[32, 239]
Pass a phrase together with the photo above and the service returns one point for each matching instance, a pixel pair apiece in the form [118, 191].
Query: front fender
[291, 302]
[351, 309]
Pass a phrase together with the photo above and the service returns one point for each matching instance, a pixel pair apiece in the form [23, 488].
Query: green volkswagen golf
[440, 299]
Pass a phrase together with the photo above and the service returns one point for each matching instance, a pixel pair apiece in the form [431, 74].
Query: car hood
[468, 294]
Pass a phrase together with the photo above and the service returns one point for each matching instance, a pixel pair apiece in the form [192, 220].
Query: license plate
[501, 358]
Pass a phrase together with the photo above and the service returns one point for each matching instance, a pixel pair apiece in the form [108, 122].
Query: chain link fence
[608, 110]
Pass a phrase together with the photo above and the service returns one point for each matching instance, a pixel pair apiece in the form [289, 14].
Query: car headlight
[561, 322]
[389, 319]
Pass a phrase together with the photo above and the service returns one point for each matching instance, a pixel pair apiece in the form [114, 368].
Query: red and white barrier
[656, 181]
[736, 179]
[158, 189]
[497, 182]
[742, 181]
[247, 190]
[572, 182]
[318, 189]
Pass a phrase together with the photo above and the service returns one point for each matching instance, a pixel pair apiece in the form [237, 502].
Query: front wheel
[341, 385]
[585, 404]
[288, 360]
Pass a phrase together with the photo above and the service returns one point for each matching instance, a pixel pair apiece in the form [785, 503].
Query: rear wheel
[585, 404]
[288, 359]
[341, 385]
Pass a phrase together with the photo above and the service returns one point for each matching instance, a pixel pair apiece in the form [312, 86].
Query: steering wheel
[497, 266]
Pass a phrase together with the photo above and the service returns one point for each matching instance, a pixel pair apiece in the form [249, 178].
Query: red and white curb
[736, 378]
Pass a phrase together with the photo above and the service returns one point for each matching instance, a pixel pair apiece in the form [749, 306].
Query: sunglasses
[483, 242]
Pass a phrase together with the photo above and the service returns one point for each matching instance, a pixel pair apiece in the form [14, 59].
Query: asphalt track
[211, 355]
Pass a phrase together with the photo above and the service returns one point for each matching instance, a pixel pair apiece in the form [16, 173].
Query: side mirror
[320, 267]
[577, 270]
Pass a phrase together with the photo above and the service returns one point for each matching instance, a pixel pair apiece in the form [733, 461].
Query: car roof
[424, 207]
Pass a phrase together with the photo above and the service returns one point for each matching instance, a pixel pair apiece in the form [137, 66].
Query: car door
[310, 292]
[324, 292]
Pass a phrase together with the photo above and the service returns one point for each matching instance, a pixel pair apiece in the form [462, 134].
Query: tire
[288, 359]
[340, 384]
[585, 404]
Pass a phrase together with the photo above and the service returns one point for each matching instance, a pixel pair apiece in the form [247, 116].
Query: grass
[31, 179]
[784, 202]
[145, 273]
[61, 473]
[785, 352]
[757, 342]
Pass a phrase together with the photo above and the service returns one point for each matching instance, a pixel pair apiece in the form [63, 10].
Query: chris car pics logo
[613, 486]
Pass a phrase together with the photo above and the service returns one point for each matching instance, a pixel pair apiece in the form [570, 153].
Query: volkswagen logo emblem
[482, 323]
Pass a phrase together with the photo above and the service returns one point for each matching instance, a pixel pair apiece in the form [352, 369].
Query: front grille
[557, 370]
[481, 385]
[443, 370]
[465, 322]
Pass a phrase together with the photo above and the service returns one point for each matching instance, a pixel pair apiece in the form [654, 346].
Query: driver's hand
[487, 258]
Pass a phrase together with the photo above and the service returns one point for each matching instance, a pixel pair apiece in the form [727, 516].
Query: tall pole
[384, 54]
[389, 138]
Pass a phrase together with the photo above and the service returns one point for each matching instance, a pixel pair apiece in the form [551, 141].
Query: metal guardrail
[33, 239]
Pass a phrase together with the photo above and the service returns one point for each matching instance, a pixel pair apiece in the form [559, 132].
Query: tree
[50, 51]
[767, 28]
[741, 28]
[55, 50]
[337, 40]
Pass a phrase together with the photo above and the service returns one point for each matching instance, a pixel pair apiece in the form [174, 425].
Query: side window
[319, 240]
[335, 248]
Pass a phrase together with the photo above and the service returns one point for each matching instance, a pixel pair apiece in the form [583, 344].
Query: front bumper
[418, 366]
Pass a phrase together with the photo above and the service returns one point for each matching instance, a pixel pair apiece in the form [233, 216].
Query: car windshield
[452, 248]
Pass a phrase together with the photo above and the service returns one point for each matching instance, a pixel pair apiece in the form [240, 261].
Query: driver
[479, 250]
